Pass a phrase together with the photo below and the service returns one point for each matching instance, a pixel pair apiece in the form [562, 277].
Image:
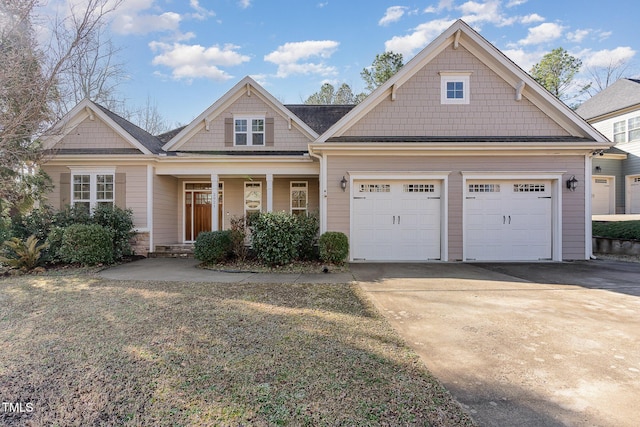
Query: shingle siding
[493, 109]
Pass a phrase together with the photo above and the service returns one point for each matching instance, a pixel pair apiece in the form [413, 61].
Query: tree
[29, 91]
[604, 75]
[328, 95]
[556, 71]
[148, 117]
[383, 67]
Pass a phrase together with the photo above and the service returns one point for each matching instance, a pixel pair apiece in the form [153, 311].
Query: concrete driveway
[545, 344]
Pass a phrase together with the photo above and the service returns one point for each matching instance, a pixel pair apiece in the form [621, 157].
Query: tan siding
[492, 110]
[573, 218]
[93, 134]
[165, 210]
[282, 194]
[213, 139]
[136, 182]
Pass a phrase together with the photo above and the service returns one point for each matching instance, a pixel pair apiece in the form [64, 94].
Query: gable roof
[459, 33]
[622, 94]
[140, 139]
[246, 85]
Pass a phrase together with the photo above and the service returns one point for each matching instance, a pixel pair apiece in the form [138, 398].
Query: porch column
[269, 192]
[214, 202]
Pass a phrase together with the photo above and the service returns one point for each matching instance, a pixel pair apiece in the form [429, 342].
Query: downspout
[323, 189]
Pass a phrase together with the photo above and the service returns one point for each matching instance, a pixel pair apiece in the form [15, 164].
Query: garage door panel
[400, 218]
[508, 220]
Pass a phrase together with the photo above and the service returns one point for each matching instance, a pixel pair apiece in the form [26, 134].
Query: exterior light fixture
[598, 169]
[343, 183]
[572, 183]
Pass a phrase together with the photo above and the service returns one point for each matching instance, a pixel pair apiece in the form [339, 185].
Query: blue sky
[185, 54]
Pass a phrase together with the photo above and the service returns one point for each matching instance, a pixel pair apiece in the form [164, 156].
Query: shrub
[334, 247]
[238, 229]
[617, 229]
[308, 227]
[38, 222]
[120, 221]
[54, 239]
[87, 244]
[275, 237]
[213, 246]
[24, 254]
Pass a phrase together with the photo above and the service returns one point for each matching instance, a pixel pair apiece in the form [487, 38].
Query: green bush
[275, 237]
[617, 229]
[308, 227]
[213, 246]
[87, 244]
[334, 247]
[38, 222]
[54, 239]
[120, 221]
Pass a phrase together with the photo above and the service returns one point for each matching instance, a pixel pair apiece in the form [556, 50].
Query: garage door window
[418, 188]
[484, 188]
[375, 188]
[528, 188]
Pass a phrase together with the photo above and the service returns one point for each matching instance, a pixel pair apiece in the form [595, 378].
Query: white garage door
[396, 221]
[508, 220]
[634, 194]
[602, 196]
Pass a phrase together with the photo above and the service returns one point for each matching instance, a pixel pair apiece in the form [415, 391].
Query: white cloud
[195, 61]
[513, 3]
[200, 12]
[543, 33]
[419, 38]
[145, 24]
[530, 19]
[289, 55]
[525, 60]
[244, 4]
[577, 36]
[393, 14]
[607, 57]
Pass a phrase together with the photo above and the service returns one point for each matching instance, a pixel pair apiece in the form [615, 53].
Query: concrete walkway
[186, 270]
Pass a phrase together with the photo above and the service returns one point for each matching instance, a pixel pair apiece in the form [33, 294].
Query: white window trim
[629, 129]
[455, 76]
[623, 132]
[306, 191]
[93, 185]
[249, 132]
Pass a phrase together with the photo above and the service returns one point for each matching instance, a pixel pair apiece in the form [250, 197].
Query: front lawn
[80, 350]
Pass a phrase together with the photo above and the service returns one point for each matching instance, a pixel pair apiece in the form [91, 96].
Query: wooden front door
[198, 207]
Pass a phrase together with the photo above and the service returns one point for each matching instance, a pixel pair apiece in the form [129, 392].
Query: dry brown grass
[88, 351]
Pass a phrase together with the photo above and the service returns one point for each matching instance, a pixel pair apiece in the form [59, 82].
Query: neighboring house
[459, 156]
[615, 112]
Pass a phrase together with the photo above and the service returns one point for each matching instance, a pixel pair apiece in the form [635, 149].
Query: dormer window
[454, 87]
[248, 131]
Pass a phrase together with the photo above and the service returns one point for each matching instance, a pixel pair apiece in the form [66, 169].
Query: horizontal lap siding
[136, 182]
[165, 210]
[573, 221]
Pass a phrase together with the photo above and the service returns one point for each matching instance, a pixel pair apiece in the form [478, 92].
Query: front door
[198, 198]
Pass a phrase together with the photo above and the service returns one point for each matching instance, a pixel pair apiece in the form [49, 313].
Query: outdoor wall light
[572, 183]
[343, 183]
[598, 169]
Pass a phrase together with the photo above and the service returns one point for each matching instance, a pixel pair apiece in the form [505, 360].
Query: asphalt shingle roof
[621, 94]
[319, 117]
[152, 143]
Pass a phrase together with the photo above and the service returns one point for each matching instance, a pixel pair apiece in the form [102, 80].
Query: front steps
[177, 250]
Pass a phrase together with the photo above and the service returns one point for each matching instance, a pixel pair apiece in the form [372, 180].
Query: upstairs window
[620, 131]
[249, 131]
[634, 129]
[454, 87]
